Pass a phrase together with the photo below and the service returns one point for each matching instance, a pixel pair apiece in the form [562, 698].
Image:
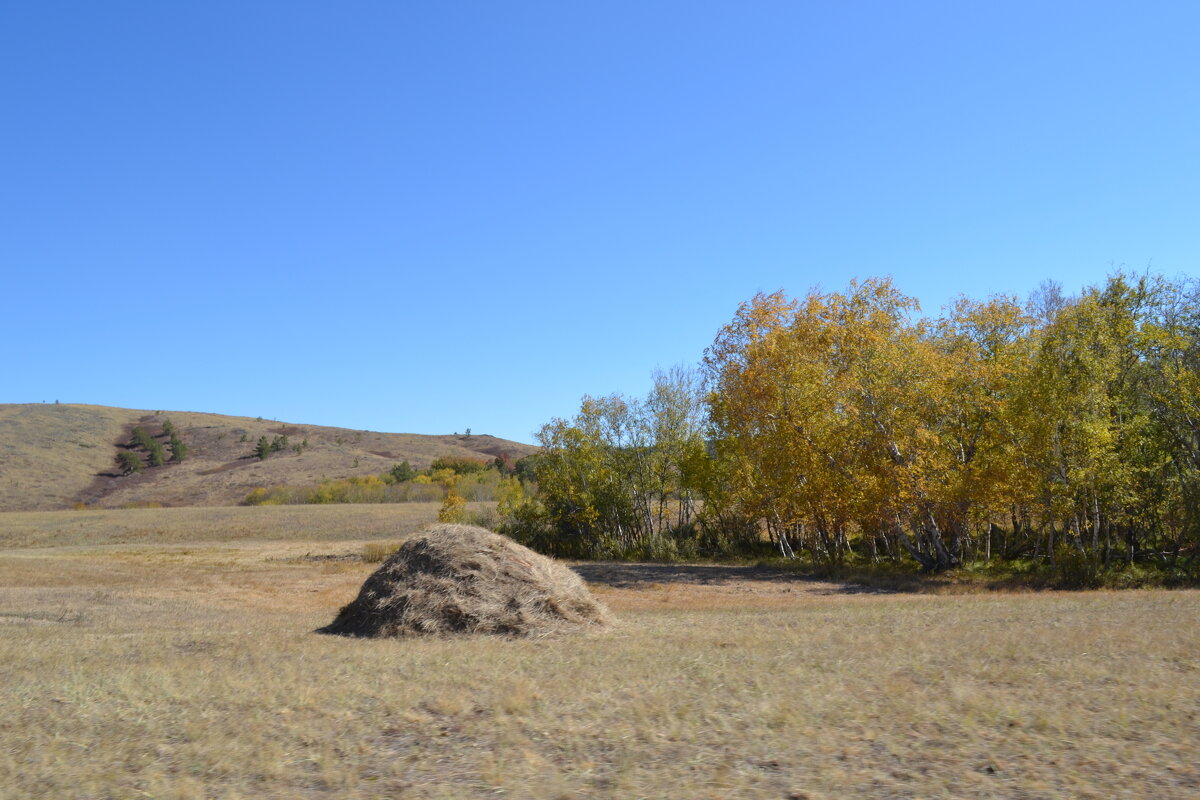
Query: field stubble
[191, 671]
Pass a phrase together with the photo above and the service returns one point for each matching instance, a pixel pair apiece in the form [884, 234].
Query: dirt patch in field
[631, 587]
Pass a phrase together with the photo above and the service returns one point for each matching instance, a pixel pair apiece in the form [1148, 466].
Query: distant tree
[526, 468]
[279, 443]
[454, 508]
[168, 428]
[141, 438]
[403, 472]
[460, 466]
[178, 448]
[263, 449]
[157, 456]
[128, 462]
[468, 431]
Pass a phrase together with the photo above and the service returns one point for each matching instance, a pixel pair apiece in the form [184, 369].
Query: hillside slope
[53, 456]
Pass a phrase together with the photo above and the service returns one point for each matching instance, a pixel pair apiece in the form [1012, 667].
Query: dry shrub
[375, 552]
[464, 579]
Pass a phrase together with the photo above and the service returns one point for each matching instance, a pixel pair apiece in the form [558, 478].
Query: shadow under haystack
[463, 579]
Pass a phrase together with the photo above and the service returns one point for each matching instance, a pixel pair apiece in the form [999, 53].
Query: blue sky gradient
[424, 217]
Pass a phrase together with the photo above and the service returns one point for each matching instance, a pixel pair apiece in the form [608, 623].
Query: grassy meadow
[170, 653]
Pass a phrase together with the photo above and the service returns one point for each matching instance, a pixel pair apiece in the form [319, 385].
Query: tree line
[847, 427]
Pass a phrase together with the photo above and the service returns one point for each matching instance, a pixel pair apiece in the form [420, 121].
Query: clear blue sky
[431, 216]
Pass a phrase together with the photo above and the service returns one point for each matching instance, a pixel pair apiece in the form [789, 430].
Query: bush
[375, 552]
[128, 462]
[454, 508]
[402, 472]
[262, 496]
[458, 465]
[140, 438]
[1074, 570]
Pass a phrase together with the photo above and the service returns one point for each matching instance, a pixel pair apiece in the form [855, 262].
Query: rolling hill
[55, 456]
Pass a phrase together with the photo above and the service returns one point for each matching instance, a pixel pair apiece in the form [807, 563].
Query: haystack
[464, 579]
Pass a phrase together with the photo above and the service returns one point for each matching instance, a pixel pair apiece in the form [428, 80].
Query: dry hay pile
[464, 579]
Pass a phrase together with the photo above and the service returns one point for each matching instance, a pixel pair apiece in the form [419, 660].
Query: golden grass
[190, 670]
[24, 529]
[50, 453]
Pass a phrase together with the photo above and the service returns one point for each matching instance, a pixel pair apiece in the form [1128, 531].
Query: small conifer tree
[157, 456]
[128, 462]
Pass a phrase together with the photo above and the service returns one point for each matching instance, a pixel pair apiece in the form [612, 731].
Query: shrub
[262, 496]
[140, 438]
[262, 449]
[157, 456]
[375, 552]
[454, 508]
[458, 465]
[128, 461]
[402, 472]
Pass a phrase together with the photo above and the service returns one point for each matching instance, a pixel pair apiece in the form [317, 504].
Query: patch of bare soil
[634, 586]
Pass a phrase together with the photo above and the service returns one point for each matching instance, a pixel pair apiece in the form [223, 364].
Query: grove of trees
[129, 460]
[846, 427]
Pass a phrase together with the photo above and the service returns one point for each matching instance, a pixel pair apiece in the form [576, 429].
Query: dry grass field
[187, 667]
[53, 456]
[32, 529]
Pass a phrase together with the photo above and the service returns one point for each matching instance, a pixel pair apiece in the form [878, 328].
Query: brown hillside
[53, 456]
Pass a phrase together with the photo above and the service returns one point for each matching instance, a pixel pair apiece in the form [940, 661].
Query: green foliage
[262, 450]
[458, 465]
[140, 438]
[157, 456]
[402, 472]
[357, 489]
[262, 496]
[128, 462]
[526, 468]
[179, 450]
[279, 443]
[615, 477]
